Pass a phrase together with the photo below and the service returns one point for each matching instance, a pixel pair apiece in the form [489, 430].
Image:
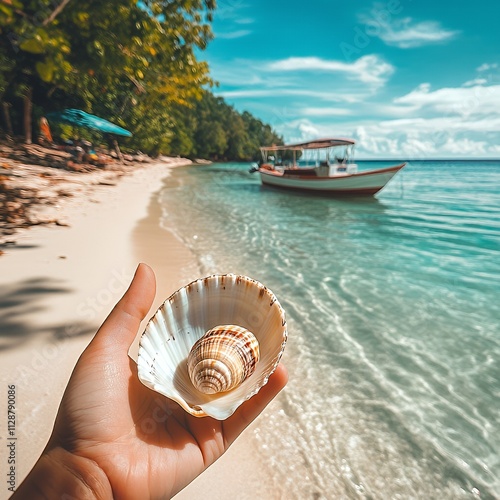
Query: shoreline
[58, 285]
[174, 268]
[173, 263]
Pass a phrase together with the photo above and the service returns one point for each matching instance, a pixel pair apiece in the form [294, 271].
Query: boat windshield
[303, 158]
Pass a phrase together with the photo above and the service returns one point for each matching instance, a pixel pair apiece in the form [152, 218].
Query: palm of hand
[147, 445]
[142, 441]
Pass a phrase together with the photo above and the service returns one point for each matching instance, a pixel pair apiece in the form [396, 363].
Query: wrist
[61, 474]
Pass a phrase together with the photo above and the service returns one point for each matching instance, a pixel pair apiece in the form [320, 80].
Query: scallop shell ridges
[186, 316]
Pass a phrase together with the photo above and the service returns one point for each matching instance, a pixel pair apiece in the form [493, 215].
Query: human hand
[115, 438]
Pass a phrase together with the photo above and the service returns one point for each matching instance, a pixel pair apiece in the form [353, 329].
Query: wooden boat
[322, 166]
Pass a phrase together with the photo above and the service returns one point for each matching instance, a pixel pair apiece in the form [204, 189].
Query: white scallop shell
[186, 316]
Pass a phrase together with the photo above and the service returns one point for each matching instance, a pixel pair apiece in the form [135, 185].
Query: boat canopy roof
[315, 144]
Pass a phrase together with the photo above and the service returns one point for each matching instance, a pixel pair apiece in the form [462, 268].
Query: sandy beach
[59, 283]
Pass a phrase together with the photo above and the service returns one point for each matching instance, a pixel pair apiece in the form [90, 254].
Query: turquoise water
[393, 314]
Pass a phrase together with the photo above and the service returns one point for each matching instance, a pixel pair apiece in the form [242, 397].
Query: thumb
[121, 326]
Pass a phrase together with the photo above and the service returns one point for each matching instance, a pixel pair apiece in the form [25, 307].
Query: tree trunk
[118, 152]
[6, 116]
[27, 115]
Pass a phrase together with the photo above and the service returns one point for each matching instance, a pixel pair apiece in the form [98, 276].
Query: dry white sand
[56, 288]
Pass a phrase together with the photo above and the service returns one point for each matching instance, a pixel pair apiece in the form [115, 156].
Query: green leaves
[34, 45]
[5, 10]
[219, 132]
[45, 70]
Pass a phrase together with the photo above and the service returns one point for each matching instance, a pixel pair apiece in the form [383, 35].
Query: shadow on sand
[19, 300]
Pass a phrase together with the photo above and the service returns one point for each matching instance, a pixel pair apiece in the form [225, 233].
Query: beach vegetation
[133, 63]
[220, 132]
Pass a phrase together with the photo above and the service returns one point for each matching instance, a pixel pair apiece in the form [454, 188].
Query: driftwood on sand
[34, 179]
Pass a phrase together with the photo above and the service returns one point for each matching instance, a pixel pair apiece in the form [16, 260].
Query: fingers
[122, 324]
[252, 408]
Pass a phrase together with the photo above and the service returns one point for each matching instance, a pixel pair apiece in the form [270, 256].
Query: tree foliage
[221, 133]
[130, 62]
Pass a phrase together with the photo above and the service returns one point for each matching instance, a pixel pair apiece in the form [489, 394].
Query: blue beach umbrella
[79, 118]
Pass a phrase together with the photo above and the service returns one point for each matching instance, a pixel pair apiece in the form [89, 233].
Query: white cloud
[369, 69]
[303, 129]
[273, 93]
[405, 33]
[475, 81]
[446, 122]
[325, 111]
[487, 67]
[463, 101]
[249, 75]
[308, 130]
[244, 93]
[230, 10]
[441, 125]
[374, 144]
[244, 20]
[233, 34]
[407, 138]
[428, 138]
[247, 78]
[465, 146]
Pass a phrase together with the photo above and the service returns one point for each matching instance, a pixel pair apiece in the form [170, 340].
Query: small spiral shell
[223, 359]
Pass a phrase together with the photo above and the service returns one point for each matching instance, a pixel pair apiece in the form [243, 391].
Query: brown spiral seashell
[223, 359]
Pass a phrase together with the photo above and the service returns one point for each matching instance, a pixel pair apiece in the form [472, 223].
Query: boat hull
[359, 184]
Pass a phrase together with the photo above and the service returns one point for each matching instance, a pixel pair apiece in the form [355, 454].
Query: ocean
[393, 315]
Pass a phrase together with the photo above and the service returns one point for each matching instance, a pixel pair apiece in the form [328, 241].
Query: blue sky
[412, 78]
